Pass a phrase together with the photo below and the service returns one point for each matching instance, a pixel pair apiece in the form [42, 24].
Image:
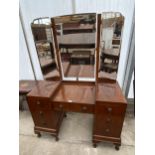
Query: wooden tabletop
[109, 92]
[25, 86]
[44, 89]
[75, 93]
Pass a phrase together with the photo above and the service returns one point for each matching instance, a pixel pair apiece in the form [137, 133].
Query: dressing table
[81, 87]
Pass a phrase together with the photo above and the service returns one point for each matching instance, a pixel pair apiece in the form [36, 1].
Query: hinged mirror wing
[110, 45]
[43, 38]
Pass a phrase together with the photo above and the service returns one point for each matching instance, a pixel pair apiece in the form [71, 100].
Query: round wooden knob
[108, 120]
[60, 106]
[109, 109]
[84, 108]
[107, 130]
[38, 102]
[41, 113]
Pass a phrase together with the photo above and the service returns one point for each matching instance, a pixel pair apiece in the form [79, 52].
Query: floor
[74, 137]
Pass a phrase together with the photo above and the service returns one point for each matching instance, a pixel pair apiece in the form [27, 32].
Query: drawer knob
[41, 113]
[109, 109]
[60, 106]
[107, 130]
[108, 120]
[84, 108]
[38, 102]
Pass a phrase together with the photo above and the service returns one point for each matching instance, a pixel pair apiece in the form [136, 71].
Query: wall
[49, 8]
[25, 68]
[130, 94]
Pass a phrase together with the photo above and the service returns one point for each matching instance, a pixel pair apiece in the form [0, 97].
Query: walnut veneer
[48, 102]
[44, 117]
[110, 111]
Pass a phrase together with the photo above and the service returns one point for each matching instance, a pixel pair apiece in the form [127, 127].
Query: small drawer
[39, 104]
[110, 109]
[108, 120]
[81, 108]
[107, 131]
[39, 118]
[60, 106]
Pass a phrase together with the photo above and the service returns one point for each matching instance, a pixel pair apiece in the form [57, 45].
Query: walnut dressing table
[49, 101]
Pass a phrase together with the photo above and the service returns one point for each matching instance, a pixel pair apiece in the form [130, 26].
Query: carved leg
[117, 146]
[56, 138]
[65, 115]
[94, 145]
[38, 133]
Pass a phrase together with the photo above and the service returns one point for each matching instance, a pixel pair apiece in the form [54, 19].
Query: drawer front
[110, 109]
[41, 118]
[109, 119]
[39, 104]
[60, 106]
[84, 108]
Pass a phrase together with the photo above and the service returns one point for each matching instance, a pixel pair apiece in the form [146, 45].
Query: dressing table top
[78, 92]
[72, 92]
[44, 89]
[109, 92]
[25, 86]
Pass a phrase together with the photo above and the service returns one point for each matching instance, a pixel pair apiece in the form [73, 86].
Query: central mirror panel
[76, 37]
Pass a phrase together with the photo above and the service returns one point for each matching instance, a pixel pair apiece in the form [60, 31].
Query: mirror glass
[76, 42]
[110, 44]
[42, 33]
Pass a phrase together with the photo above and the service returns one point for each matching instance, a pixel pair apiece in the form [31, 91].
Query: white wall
[32, 9]
[25, 68]
[130, 94]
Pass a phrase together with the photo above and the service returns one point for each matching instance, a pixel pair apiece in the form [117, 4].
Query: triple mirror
[69, 44]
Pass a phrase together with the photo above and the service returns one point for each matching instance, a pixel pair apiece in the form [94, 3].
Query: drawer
[84, 108]
[110, 109]
[109, 119]
[40, 118]
[39, 104]
[60, 106]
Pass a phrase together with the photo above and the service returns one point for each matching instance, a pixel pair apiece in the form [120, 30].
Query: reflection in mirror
[41, 29]
[111, 34]
[76, 41]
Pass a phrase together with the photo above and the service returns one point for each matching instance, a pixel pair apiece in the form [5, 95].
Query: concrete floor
[75, 137]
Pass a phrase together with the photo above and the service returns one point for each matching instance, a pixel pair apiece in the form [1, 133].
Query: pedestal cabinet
[41, 107]
[110, 111]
